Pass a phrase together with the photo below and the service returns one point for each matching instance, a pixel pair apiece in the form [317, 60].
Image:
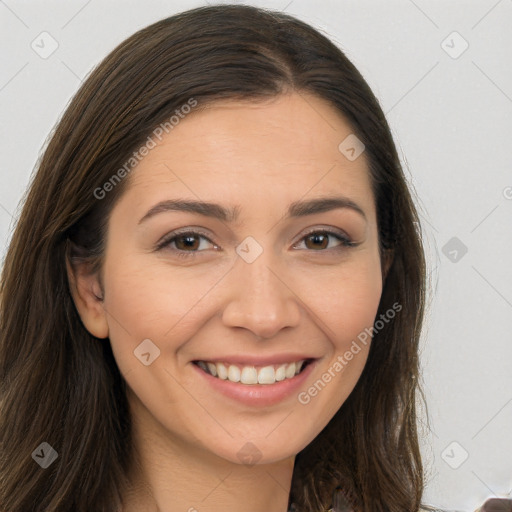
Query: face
[270, 277]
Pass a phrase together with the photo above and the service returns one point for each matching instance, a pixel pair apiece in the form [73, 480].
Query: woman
[214, 294]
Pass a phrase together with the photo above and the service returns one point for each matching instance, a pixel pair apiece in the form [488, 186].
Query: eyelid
[329, 230]
[168, 238]
[344, 239]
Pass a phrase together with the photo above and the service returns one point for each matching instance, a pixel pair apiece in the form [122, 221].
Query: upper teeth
[251, 375]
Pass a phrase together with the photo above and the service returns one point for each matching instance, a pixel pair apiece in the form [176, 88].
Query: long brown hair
[61, 386]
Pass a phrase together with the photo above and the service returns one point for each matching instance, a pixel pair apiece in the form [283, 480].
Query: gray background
[450, 113]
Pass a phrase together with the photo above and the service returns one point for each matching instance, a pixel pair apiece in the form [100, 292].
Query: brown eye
[318, 241]
[323, 240]
[186, 242]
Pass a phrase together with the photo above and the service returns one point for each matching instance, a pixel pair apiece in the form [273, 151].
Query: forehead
[283, 149]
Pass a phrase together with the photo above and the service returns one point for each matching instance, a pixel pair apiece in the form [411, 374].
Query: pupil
[189, 241]
[319, 239]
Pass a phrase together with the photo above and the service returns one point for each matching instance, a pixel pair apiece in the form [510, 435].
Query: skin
[299, 295]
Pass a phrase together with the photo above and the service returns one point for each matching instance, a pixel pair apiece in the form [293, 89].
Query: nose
[261, 298]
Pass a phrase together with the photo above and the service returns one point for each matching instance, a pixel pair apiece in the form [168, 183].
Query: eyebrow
[217, 211]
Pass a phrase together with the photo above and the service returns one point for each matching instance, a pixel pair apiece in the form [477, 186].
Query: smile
[253, 374]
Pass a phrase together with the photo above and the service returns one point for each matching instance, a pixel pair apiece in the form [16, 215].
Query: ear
[87, 295]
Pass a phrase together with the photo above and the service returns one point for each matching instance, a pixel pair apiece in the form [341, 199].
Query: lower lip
[258, 394]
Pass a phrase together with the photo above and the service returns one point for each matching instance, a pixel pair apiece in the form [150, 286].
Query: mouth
[251, 374]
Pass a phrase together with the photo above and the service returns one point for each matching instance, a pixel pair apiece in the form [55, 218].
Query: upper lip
[254, 360]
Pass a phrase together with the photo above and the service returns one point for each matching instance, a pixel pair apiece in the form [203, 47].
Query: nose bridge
[260, 299]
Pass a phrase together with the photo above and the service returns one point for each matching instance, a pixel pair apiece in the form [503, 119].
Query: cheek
[347, 308]
[347, 299]
[346, 305]
[154, 301]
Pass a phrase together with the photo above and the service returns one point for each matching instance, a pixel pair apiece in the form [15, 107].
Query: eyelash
[345, 241]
